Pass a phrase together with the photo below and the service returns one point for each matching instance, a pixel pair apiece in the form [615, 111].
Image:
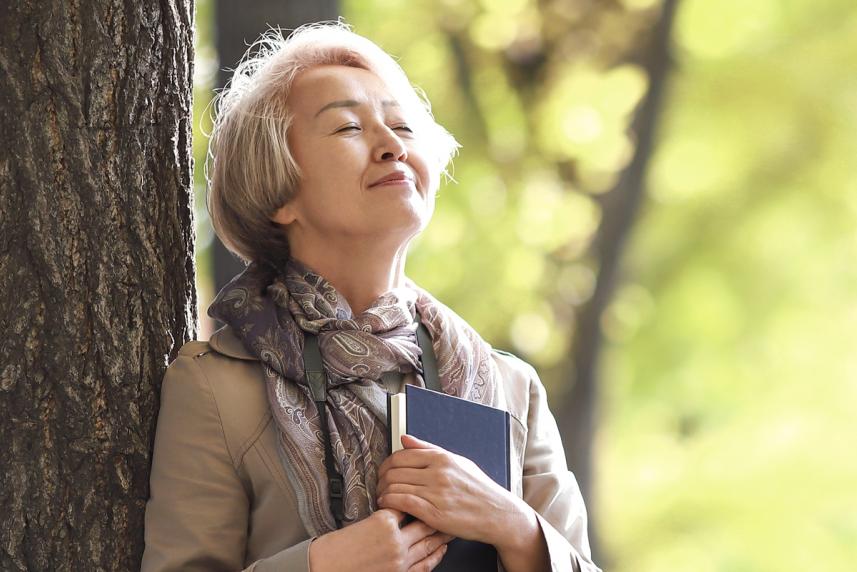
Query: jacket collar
[225, 341]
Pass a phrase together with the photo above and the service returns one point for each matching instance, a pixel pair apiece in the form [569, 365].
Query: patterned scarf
[269, 312]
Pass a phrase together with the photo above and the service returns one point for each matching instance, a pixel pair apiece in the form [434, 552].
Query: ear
[286, 214]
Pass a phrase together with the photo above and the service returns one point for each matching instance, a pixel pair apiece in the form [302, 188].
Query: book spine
[397, 424]
[508, 448]
[389, 424]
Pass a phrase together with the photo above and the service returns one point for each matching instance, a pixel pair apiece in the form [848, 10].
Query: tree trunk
[239, 24]
[96, 269]
[579, 406]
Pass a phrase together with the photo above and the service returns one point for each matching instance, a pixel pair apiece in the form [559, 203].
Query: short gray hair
[250, 170]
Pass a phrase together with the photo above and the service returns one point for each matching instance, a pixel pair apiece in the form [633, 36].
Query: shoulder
[194, 348]
[516, 378]
[229, 379]
[513, 369]
[223, 344]
[222, 362]
[222, 349]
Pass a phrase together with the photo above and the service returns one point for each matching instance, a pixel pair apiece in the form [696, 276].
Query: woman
[325, 163]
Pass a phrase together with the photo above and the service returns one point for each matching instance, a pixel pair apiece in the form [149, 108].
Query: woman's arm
[545, 530]
[451, 493]
[551, 489]
[198, 510]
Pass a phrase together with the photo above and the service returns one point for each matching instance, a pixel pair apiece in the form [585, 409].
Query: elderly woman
[324, 165]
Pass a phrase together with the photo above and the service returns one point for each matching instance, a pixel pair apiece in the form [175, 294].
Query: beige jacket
[219, 495]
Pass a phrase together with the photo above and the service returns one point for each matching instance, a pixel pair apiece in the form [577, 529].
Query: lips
[395, 176]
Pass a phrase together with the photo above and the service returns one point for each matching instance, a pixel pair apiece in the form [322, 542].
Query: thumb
[411, 442]
[398, 515]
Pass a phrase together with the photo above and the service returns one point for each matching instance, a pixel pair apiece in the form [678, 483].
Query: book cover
[478, 432]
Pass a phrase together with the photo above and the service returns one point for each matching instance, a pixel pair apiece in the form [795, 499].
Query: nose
[389, 146]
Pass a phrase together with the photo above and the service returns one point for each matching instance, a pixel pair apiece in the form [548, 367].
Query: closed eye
[354, 127]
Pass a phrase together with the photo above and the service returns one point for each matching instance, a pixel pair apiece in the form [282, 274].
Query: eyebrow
[352, 103]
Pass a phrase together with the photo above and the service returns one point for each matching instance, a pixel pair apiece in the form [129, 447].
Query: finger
[425, 547]
[412, 504]
[417, 490]
[411, 442]
[405, 475]
[431, 561]
[389, 463]
[415, 531]
[394, 515]
[413, 458]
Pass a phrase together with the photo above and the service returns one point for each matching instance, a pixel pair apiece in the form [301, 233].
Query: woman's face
[365, 170]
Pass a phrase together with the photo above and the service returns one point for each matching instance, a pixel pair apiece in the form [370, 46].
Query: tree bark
[620, 205]
[239, 24]
[96, 269]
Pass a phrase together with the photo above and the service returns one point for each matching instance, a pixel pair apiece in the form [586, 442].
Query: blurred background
[656, 205]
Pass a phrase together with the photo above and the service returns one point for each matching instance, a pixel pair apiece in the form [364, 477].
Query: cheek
[325, 161]
[432, 178]
[433, 182]
[426, 168]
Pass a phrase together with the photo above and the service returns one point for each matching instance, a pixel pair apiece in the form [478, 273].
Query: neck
[360, 272]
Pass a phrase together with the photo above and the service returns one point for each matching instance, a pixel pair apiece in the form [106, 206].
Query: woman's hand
[377, 543]
[450, 493]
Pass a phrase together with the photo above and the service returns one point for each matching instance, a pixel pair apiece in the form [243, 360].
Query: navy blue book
[472, 430]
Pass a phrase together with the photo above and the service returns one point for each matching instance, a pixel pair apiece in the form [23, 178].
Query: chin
[407, 224]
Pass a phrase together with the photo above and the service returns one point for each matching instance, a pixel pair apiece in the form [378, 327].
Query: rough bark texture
[579, 406]
[96, 268]
[239, 24]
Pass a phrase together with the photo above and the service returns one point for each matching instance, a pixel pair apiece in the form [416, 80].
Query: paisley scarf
[270, 311]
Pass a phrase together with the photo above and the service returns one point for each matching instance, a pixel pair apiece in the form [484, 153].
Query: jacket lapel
[225, 341]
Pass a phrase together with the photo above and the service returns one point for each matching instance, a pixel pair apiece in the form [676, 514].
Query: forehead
[318, 86]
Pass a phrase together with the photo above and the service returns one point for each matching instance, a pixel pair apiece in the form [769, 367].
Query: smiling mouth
[395, 183]
[397, 177]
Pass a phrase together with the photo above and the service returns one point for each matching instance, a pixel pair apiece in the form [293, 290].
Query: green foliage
[728, 416]
[205, 78]
[729, 375]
